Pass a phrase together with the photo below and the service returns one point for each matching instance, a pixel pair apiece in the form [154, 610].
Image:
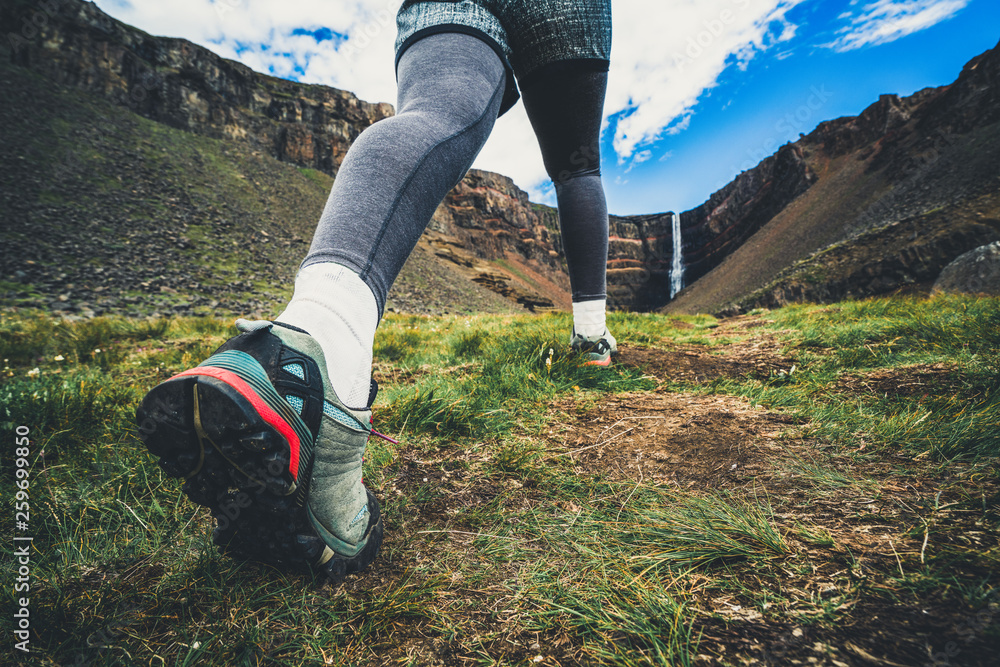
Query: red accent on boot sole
[604, 362]
[266, 412]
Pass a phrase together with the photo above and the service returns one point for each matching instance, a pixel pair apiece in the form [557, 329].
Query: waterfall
[677, 267]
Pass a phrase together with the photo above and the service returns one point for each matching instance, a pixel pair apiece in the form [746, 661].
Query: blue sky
[699, 90]
[791, 89]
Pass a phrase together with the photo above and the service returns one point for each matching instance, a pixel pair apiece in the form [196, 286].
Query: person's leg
[269, 431]
[391, 181]
[565, 101]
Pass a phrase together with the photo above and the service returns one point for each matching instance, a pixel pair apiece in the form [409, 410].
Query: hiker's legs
[391, 181]
[399, 170]
[565, 102]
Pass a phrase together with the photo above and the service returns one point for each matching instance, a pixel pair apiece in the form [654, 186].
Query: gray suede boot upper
[337, 502]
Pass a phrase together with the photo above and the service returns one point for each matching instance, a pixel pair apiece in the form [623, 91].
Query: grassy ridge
[956, 412]
[105, 211]
[503, 544]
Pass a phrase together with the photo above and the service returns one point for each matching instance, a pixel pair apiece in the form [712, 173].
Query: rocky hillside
[886, 200]
[641, 248]
[104, 211]
[182, 85]
[122, 141]
[155, 172]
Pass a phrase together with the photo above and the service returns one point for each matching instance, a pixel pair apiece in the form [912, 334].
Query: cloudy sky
[699, 90]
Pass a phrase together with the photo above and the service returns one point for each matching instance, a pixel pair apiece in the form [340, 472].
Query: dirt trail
[680, 439]
[853, 523]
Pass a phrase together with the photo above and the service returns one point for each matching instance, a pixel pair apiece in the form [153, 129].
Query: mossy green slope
[105, 211]
[879, 498]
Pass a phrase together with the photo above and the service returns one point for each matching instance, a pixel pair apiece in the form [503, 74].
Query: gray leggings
[450, 86]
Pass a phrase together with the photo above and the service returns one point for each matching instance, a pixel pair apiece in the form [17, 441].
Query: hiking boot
[598, 350]
[261, 439]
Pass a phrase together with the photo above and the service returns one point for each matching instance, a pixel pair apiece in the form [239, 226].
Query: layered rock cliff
[928, 164]
[180, 84]
[487, 226]
[73, 45]
[900, 159]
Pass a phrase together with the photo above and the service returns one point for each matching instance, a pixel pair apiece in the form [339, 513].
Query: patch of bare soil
[680, 439]
[852, 534]
[759, 356]
[856, 526]
[913, 380]
[697, 364]
[875, 633]
[388, 374]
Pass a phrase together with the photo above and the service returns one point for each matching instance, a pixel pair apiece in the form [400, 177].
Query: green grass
[317, 177]
[509, 368]
[497, 551]
[959, 418]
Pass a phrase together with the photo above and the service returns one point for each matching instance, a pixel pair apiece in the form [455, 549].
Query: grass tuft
[497, 551]
[690, 531]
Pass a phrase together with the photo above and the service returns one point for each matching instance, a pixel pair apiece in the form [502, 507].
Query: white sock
[589, 318]
[338, 309]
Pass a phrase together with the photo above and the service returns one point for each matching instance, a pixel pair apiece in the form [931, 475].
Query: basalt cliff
[134, 163]
[874, 204]
[233, 170]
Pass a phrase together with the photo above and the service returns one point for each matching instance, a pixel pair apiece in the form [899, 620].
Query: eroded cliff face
[929, 160]
[180, 84]
[487, 226]
[639, 255]
[972, 101]
[493, 217]
[906, 156]
[734, 213]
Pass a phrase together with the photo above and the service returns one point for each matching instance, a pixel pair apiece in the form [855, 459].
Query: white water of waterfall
[677, 267]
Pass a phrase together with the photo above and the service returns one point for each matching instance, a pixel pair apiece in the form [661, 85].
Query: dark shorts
[526, 34]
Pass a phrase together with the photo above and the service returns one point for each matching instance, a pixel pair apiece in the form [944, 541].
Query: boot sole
[239, 464]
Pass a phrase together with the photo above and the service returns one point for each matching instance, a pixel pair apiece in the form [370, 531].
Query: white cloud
[665, 56]
[886, 21]
[637, 159]
[664, 59]
[260, 34]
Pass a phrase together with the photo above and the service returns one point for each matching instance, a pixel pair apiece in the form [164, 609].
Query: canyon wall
[899, 159]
